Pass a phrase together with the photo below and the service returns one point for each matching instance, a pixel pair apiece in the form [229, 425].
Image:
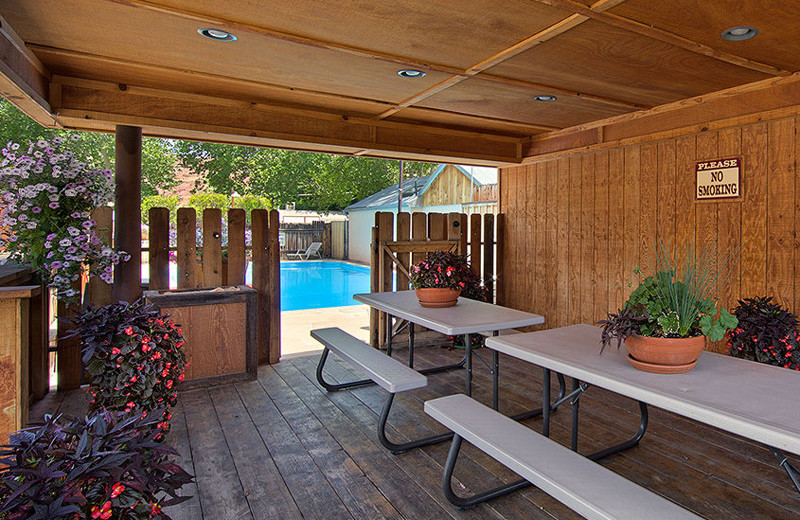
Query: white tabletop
[750, 399]
[466, 317]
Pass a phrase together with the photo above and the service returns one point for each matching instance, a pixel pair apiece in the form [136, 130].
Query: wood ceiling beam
[663, 36]
[97, 103]
[23, 78]
[522, 127]
[404, 61]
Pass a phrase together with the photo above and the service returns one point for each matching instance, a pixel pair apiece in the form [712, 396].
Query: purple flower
[51, 236]
[75, 214]
[36, 209]
[55, 265]
[53, 205]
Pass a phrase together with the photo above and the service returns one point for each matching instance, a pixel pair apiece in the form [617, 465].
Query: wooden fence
[300, 236]
[396, 247]
[210, 265]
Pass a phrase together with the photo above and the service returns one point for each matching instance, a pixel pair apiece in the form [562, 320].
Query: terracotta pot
[436, 297]
[664, 355]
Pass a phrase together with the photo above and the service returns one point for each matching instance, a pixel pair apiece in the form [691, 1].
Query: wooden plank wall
[450, 187]
[578, 225]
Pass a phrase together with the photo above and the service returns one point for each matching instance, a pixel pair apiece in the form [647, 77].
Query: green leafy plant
[105, 465]
[676, 300]
[766, 332]
[135, 358]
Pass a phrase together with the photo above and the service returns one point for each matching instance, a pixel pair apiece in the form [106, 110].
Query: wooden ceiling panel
[602, 60]
[174, 42]
[451, 32]
[513, 103]
[184, 81]
[776, 44]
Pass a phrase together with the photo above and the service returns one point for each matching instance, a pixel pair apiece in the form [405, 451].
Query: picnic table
[753, 400]
[466, 318]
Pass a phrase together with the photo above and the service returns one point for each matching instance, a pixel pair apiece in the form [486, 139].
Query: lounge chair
[313, 249]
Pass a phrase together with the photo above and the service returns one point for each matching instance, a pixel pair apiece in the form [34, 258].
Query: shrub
[134, 357]
[250, 202]
[160, 201]
[102, 466]
[767, 333]
[201, 201]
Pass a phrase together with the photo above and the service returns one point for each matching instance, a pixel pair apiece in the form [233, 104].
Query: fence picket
[259, 219]
[212, 247]
[488, 253]
[475, 243]
[187, 249]
[237, 260]
[158, 249]
[403, 233]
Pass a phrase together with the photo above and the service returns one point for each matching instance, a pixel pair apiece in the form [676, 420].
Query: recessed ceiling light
[545, 98]
[217, 35]
[410, 73]
[737, 34]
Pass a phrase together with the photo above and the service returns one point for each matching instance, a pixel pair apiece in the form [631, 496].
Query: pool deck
[296, 325]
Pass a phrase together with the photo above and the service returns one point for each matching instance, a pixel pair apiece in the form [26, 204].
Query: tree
[158, 157]
[313, 181]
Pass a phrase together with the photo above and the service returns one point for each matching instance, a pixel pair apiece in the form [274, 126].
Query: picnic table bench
[578, 482]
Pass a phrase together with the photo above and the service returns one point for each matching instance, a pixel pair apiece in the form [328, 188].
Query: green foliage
[250, 202]
[313, 181]
[677, 300]
[201, 201]
[158, 156]
[160, 201]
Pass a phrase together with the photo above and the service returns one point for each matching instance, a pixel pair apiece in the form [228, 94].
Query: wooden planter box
[219, 325]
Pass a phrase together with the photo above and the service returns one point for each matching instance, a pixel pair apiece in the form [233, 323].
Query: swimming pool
[316, 285]
[307, 284]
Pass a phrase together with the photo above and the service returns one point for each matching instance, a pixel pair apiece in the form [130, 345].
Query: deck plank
[358, 493]
[312, 492]
[283, 447]
[264, 488]
[220, 491]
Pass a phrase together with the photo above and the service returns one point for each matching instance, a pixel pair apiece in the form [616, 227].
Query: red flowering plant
[134, 356]
[767, 333]
[441, 269]
[102, 466]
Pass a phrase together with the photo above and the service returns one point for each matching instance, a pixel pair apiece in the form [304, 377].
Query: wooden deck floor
[281, 447]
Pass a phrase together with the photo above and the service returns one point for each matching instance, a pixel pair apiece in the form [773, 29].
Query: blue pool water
[307, 284]
[315, 285]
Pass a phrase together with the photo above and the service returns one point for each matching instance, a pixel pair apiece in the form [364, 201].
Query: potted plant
[666, 319]
[766, 332]
[439, 279]
[49, 191]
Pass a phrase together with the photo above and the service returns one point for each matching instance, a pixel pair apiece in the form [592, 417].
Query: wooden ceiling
[314, 75]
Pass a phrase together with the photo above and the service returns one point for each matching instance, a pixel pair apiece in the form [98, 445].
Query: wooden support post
[488, 253]
[14, 316]
[260, 220]
[385, 234]
[187, 248]
[159, 249]
[475, 243]
[39, 339]
[212, 247]
[128, 209]
[500, 294]
[403, 233]
[374, 279]
[69, 367]
[274, 287]
[237, 259]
